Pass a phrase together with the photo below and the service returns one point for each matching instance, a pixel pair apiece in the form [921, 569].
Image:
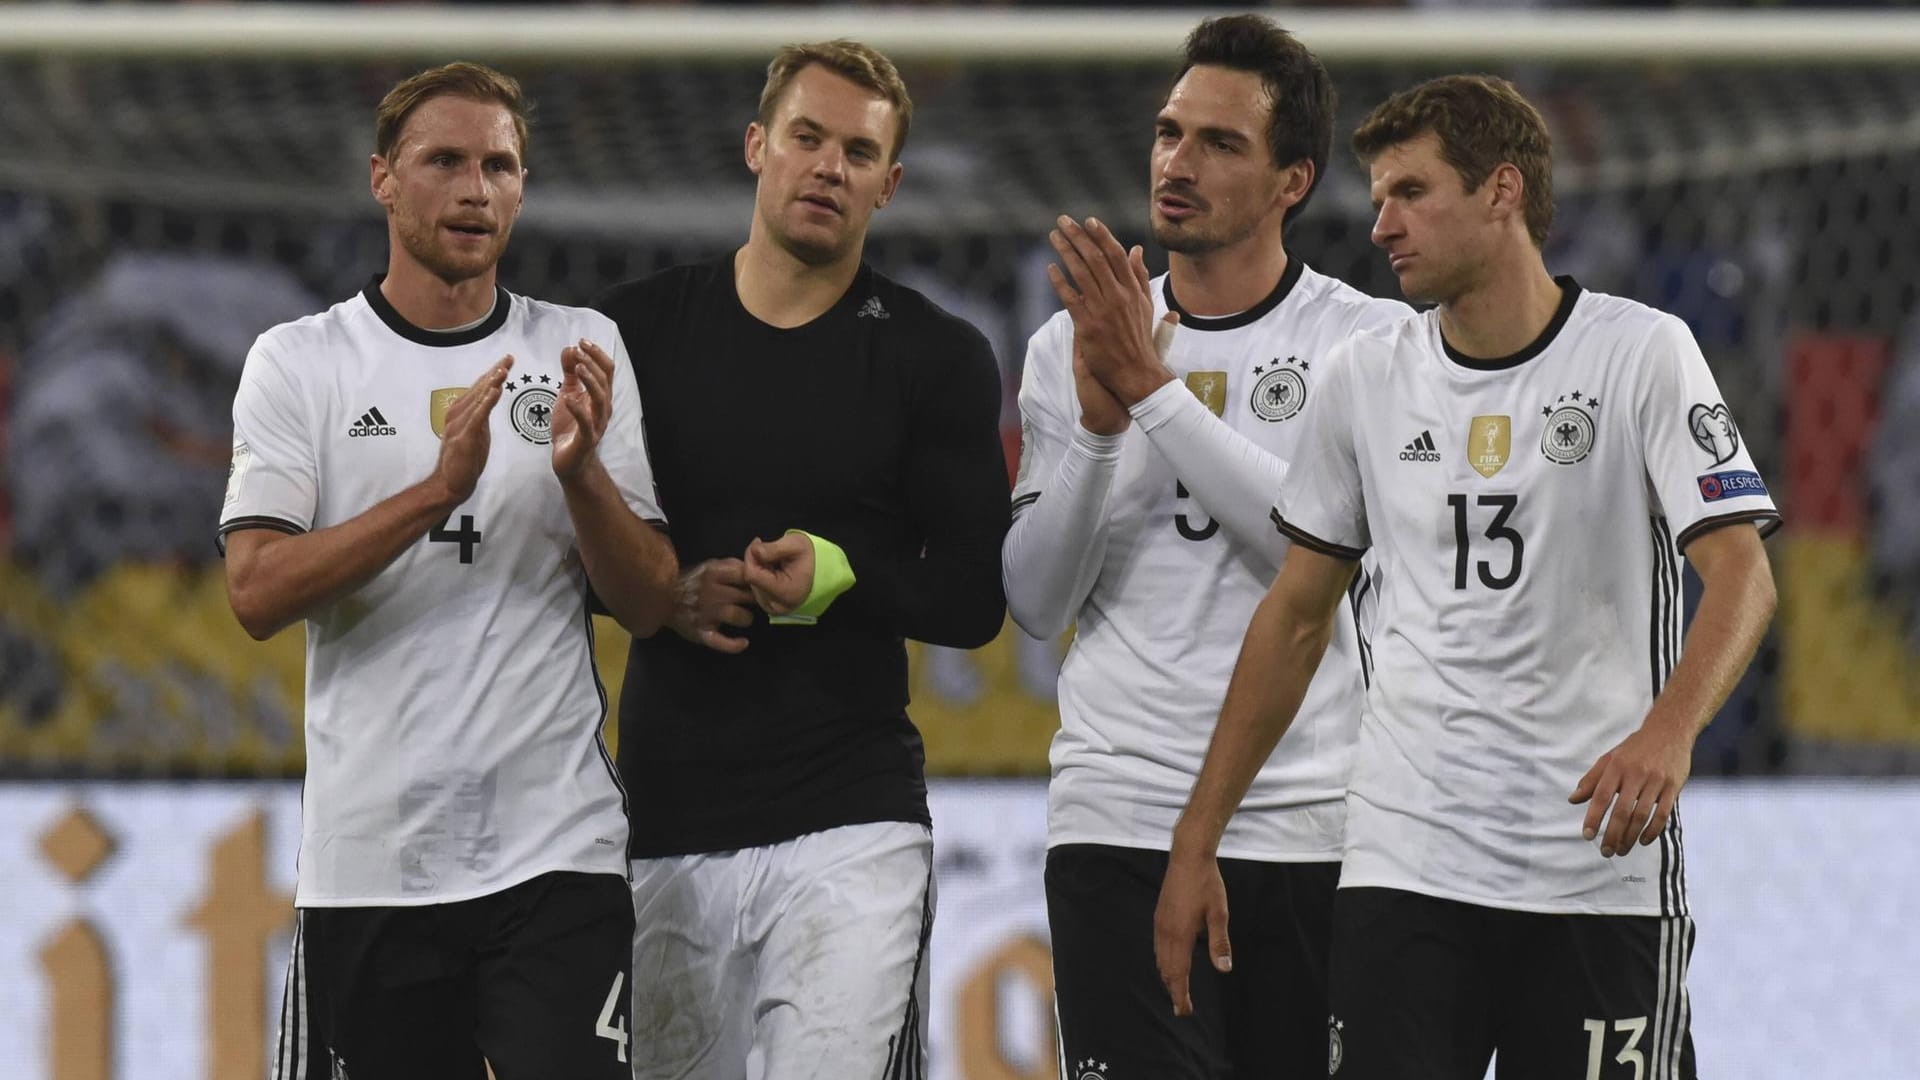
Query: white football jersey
[1529, 515]
[1156, 638]
[453, 712]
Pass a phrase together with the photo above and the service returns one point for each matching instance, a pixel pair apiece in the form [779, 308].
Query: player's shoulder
[939, 336]
[1054, 339]
[1638, 335]
[883, 300]
[665, 292]
[1346, 306]
[563, 322]
[311, 336]
[1604, 313]
[1389, 344]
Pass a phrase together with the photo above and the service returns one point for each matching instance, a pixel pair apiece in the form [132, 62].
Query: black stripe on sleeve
[1356, 593]
[1766, 520]
[1024, 501]
[257, 521]
[1311, 542]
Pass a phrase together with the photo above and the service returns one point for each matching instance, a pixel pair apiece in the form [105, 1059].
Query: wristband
[832, 575]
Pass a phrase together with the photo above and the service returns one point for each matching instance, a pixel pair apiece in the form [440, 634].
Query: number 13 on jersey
[1494, 510]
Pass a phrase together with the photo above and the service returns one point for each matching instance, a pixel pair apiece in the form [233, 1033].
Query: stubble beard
[1194, 241]
[420, 240]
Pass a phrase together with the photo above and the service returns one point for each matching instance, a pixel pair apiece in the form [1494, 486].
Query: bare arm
[274, 579]
[1283, 647]
[630, 563]
[1642, 777]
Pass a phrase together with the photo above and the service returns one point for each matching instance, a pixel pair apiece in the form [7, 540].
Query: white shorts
[800, 960]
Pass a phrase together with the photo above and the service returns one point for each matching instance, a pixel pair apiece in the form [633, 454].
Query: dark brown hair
[859, 64]
[1300, 93]
[1482, 122]
[475, 82]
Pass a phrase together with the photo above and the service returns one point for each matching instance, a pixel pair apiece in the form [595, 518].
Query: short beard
[1184, 243]
[1193, 242]
[417, 240]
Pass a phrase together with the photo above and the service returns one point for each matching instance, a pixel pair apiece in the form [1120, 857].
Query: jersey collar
[377, 300]
[1569, 295]
[1289, 278]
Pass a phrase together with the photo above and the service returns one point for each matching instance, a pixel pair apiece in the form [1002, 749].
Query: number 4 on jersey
[466, 536]
[611, 1025]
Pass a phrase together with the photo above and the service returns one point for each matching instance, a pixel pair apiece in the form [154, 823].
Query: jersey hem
[740, 841]
[1536, 907]
[453, 898]
[1767, 521]
[1238, 854]
[253, 521]
[1313, 543]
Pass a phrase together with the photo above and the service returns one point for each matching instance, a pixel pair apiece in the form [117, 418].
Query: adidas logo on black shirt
[371, 423]
[1421, 449]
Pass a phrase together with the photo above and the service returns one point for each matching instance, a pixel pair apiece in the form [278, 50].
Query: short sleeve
[623, 449]
[1321, 505]
[1045, 427]
[1699, 470]
[273, 480]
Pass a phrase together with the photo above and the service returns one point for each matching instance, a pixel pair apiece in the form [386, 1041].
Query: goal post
[974, 35]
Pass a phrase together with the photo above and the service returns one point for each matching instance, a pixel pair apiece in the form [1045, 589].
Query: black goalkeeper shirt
[875, 426]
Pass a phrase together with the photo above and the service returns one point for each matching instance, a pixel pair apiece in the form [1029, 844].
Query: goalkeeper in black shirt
[827, 444]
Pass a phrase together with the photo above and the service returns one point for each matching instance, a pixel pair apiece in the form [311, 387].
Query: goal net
[169, 193]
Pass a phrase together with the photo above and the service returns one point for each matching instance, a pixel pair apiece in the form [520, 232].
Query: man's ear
[894, 172]
[380, 180]
[1296, 184]
[756, 147]
[1506, 190]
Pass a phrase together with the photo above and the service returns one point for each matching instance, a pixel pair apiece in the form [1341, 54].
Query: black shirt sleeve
[957, 500]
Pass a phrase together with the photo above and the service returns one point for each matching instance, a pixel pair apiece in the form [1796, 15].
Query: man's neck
[781, 290]
[430, 303]
[1506, 311]
[1229, 280]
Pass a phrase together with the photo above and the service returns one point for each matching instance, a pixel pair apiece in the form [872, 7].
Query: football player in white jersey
[1143, 499]
[428, 474]
[1529, 462]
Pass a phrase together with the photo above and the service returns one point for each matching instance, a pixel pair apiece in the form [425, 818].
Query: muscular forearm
[1054, 550]
[1277, 660]
[1231, 478]
[280, 580]
[630, 563]
[1735, 608]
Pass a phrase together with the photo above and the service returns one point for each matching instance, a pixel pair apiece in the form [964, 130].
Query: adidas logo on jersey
[871, 309]
[1421, 449]
[371, 423]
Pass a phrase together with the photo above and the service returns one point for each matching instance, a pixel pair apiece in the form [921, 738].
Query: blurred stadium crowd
[155, 216]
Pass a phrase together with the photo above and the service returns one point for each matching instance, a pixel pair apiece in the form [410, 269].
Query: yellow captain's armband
[832, 575]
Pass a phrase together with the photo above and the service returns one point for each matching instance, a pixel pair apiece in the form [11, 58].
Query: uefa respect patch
[1732, 484]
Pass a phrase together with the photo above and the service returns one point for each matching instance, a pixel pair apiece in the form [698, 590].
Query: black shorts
[1430, 989]
[534, 980]
[1267, 1019]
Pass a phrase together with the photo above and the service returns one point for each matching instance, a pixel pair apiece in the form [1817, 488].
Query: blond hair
[859, 64]
[475, 82]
